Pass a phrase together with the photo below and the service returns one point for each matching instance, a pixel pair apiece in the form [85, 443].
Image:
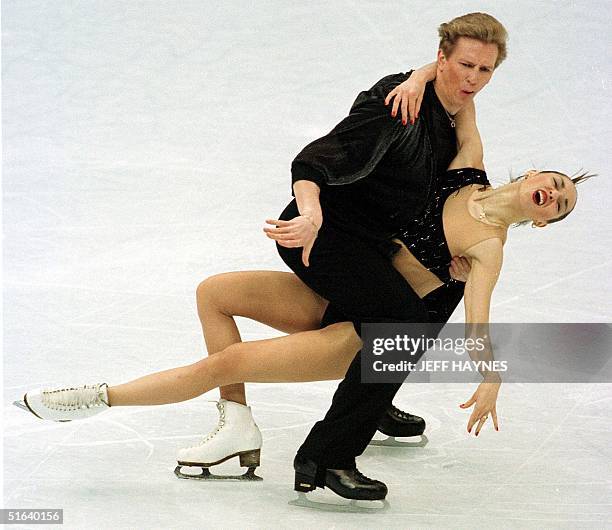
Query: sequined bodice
[424, 236]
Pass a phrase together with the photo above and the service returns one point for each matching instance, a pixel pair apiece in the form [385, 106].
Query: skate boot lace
[399, 413]
[361, 476]
[215, 431]
[65, 399]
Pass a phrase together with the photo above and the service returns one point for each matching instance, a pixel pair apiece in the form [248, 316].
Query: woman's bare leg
[277, 299]
[305, 356]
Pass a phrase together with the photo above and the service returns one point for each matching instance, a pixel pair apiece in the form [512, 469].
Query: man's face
[467, 70]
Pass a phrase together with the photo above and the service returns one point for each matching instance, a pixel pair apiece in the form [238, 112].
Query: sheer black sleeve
[353, 148]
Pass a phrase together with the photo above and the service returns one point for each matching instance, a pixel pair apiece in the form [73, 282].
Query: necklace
[450, 118]
[482, 216]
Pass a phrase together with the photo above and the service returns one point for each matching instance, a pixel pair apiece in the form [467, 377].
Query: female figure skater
[471, 218]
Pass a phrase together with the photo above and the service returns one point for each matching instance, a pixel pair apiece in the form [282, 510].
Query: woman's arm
[469, 143]
[487, 257]
[409, 94]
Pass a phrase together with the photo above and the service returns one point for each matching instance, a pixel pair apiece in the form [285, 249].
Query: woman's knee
[344, 335]
[208, 291]
[219, 367]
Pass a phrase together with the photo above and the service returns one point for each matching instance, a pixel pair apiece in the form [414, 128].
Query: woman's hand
[301, 231]
[408, 97]
[485, 399]
[459, 269]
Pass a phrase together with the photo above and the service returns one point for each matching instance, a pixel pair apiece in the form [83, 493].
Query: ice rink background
[144, 143]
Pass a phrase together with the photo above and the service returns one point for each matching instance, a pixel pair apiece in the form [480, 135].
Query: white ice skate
[66, 404]
[235, 435]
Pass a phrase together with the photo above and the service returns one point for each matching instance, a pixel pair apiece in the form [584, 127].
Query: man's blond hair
[480, 26]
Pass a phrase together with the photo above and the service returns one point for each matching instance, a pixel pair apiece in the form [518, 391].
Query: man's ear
[441, 60]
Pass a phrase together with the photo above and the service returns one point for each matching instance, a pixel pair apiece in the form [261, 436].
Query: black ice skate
[347, 483]
[398, 424]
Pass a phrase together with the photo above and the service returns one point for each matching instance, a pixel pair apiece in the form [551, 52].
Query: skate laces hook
[72, 398]
[215, 431]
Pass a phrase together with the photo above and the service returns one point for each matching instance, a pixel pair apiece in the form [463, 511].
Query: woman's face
[546, 196]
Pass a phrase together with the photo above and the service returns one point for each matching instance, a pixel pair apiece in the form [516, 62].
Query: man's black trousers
[361, 286]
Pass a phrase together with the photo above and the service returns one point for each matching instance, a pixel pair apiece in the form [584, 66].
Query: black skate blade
[342, 505]
[392, 441]
[205, 474]
[20, 403]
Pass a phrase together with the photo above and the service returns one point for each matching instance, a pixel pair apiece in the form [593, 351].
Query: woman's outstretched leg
[306, 356]
[277, 299]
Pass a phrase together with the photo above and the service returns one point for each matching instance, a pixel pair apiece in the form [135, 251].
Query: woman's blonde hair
[478, 26]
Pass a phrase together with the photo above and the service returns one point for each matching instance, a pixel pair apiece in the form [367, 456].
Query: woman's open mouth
[539, 197]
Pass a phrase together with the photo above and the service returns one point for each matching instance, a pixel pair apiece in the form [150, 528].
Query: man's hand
[460, 269]
[301, 231]
[485, 399]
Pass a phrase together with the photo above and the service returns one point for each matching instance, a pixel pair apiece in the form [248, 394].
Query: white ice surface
[145, 143]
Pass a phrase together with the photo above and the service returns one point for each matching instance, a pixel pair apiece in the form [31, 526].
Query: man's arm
[353, 148]
[345, 155]
[307, 198]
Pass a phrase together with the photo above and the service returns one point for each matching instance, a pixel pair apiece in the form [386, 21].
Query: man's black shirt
[376, 174]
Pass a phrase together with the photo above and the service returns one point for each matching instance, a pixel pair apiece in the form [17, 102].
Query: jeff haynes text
[441, 366]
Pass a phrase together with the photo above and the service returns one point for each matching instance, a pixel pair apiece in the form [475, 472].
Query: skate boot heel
[304, 482]
[250, 458]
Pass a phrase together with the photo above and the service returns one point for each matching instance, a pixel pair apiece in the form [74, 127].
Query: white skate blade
[21, 404]
[205, 474]
[392, 441]
[341, 504]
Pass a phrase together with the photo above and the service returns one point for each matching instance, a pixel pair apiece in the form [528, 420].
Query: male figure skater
[355, 189]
